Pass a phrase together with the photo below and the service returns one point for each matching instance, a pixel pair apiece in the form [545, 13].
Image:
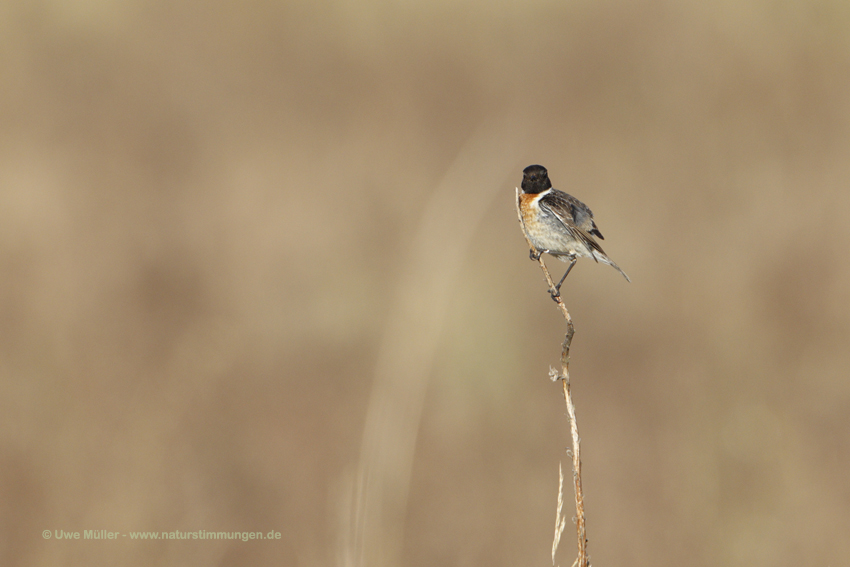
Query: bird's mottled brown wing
[574, 215]
[582, 214]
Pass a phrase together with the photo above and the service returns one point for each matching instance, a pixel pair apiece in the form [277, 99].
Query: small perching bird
[557, 223]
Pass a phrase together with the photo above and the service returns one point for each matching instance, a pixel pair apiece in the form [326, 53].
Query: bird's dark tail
[601, 257]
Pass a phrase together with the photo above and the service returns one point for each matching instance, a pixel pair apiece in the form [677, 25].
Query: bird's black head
[535, 179]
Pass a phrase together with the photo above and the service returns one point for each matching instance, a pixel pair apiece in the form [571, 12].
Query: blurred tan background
[261, 271]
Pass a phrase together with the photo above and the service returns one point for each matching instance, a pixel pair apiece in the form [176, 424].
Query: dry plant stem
[564, 376]
[583, 560]
[560, 520]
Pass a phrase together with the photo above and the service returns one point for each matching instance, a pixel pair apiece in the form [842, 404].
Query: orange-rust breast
[530, 210]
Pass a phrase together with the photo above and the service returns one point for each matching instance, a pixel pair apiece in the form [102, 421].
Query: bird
[558, 224]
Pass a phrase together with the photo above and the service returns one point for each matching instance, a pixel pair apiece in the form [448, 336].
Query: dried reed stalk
[564, 375]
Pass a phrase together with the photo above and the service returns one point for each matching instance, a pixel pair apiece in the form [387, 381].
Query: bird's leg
[556, 293]
[535, 254]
